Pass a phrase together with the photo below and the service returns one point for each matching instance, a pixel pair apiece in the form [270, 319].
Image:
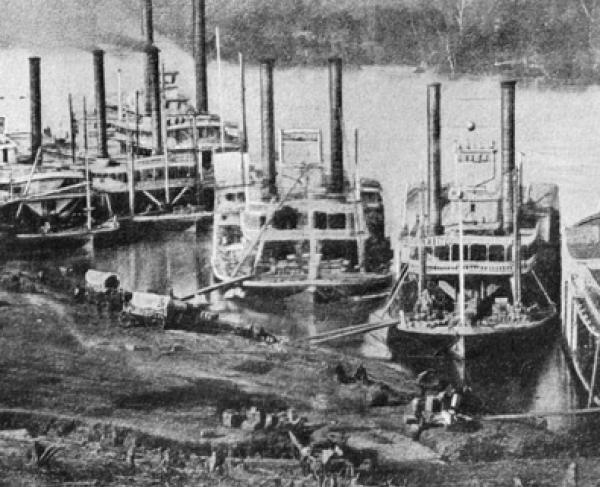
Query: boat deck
[449, 324]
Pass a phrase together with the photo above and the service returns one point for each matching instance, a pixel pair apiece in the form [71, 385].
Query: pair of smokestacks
[35, 96]
[153, 99]
[152, 85]
[36, 103]
[434, 164]
[199, 48]
[267, 119]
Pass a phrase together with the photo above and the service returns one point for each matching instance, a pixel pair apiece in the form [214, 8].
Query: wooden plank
[220, 285]
[354, 330]
[539, 414]
[594, 374]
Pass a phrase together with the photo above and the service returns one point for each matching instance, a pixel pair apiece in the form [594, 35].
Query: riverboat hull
[472, 342]
[322, 290]
[153, 226]
[71, 238]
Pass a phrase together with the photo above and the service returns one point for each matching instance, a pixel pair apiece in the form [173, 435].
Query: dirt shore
[73, 376]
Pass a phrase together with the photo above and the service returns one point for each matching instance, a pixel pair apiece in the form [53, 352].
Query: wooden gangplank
[220, 285]
[347, 331]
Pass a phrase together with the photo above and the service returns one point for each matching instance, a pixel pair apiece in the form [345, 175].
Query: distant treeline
[557, 39]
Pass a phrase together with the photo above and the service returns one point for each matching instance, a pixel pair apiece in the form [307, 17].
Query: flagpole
[461, 257]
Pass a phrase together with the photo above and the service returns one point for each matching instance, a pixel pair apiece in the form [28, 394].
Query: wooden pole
[594, 374]
[197, 160]
[214, 287]
[73, 130]
[137, 120]
[85, 129]
[131, 172]
[516, 206]
[244, 135]
[87, 168]
[540, 414]
[164, 136]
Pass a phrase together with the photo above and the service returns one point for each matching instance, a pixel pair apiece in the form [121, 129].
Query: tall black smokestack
[153, 58]
[267, 123]
[434, 161]
[336, 135]
[149, 42]
[35, 95]
[508, 152]
[100, 90]
[200, 55]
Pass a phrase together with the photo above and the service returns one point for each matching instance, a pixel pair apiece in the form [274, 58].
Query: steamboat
[581, 302]
[477, 258]
[45, 205]
[299, 228]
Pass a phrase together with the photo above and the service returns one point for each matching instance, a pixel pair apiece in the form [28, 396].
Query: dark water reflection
[181, 262]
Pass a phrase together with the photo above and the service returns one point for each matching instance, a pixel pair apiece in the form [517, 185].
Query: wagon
[148, 309]
[101, 287]
[101, 282]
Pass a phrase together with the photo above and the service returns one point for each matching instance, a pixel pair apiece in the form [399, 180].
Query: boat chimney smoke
[508, 152]
[267, 124]
[336, 134]
[100, 91]
[153, 58]
[434, 161]
[35, 95]
[200, 55]
[149, 28]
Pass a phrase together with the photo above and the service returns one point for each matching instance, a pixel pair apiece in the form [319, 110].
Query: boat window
[159, 174]
[320, 220]
[442, 252]
[138, 176]
[337, 221]
[123, 178]
[230, 234]
[478, 252]
[342, 253]
[286, 218]
[230, 197]
[428, 250]
[455, 252]
[496, 253]
[279, 250]
[4, 155]
[241, 197]
[148, 175]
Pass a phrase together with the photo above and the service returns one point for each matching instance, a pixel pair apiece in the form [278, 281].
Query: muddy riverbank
[72, 374]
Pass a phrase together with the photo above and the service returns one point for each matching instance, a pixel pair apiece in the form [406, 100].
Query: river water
[556, 131]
